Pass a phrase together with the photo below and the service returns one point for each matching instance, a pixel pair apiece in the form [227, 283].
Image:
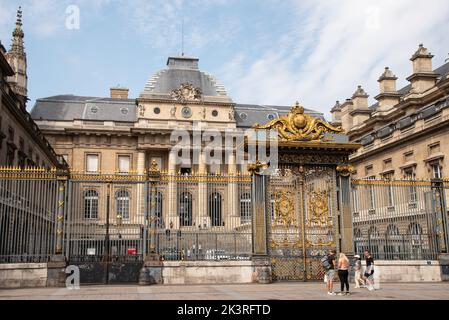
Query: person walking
[359, 282]
[329, 264]
[343, 273]
[369, 270]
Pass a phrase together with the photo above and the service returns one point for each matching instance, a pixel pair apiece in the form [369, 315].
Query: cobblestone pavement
[277, 291]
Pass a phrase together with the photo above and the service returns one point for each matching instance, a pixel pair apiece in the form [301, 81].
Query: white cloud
[337, 45]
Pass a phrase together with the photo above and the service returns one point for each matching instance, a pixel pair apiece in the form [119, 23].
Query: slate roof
[248, 114]
[69, 108]
[182, 70]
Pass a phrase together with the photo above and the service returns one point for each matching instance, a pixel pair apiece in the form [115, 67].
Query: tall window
[410, 175]
[185, 209]
[390, 189]
[373, 233]
[245, 207]
[436, 171]
[124, 164]
[159, 209]
[92, 163]
[122, 200]
[415, 229]
[91, 204]
[215, 209]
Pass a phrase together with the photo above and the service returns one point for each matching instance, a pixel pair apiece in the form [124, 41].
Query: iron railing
[104, 217]
[400, 219]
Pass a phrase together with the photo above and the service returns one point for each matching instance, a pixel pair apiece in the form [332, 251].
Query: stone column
[232, 214]
[173, 218]
[346, 226]
[203, 216]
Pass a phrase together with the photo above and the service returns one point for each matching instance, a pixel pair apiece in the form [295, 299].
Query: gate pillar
[345, 216]
[260, 258]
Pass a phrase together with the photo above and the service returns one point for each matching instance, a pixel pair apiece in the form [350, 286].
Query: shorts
[330, 274]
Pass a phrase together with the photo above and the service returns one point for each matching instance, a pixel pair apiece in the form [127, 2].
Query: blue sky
[264, 51]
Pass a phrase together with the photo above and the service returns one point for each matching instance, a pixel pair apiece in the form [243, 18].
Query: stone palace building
[22, 144]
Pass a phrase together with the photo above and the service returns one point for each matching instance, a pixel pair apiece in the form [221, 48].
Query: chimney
[336, 114]
[388, 97]
[119, 93]
[423, 77]
[360, 112]
[345, 114]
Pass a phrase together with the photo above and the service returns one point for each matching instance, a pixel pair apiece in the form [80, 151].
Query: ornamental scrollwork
[187, 92]
[257, 167]
[285, 208]
[345, 170]
[299, 126]
[318, 203]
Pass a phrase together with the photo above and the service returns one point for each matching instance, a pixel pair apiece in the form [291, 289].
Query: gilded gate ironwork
[310, 210]
[302, 225]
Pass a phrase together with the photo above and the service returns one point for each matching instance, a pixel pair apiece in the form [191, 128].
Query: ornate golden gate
[309, 195]
[303, 224]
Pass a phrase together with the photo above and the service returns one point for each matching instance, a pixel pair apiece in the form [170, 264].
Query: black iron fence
[123, 217]
[400, 219]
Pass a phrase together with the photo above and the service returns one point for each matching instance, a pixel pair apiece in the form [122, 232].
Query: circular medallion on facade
[124, 111]
[186, 112]
[94, 109]
[243, 116]
[215, 113]
[271, 117]
[157, 110]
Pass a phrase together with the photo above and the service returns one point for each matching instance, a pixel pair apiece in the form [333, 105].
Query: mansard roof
[70, 107]
[179, 71]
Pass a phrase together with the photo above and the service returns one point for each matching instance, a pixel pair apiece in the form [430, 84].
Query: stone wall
[407, 271]
[23, 275]
[206, 272]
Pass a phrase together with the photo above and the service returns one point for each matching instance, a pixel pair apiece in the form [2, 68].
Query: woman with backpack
[329, 265]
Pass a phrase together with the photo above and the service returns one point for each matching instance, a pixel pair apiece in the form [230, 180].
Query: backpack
[325, 262]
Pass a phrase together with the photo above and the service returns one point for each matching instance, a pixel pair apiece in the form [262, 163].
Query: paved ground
[277, 291]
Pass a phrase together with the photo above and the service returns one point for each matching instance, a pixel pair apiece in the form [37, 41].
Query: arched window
[245, 207]
[215, 209]
[91, 204]
[373, 233]
[159, 209]
[122, 204]
[392, 231]
[185, 209]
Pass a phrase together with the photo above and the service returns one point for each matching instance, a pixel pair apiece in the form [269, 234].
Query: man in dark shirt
[330, 272]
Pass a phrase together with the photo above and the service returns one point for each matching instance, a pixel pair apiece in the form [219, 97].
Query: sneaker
[371, 288]
[347, 293]
[331, 293]
[340, 294]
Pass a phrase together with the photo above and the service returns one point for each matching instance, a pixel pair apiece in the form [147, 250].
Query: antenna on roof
[182, 35]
